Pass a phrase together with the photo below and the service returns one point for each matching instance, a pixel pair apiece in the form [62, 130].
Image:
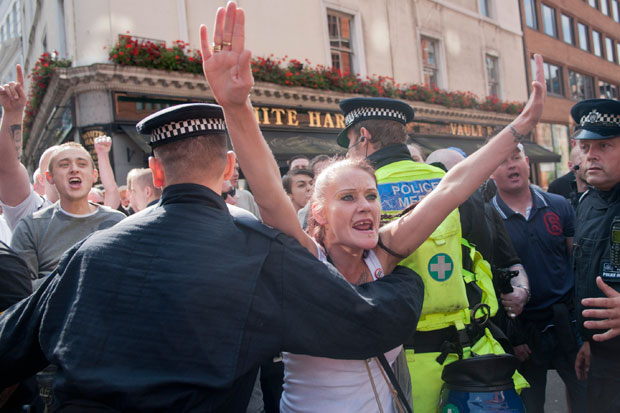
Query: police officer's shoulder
[430, 168]
[248, 221]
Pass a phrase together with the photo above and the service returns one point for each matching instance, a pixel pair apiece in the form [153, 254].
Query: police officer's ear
[159, 178]
[229, 169]
[365, 136]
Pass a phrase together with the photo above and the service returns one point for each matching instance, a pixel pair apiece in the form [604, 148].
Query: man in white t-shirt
[5, 231]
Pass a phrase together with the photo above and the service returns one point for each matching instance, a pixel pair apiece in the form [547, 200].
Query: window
[584, 43]
[609, 49]
[553, 78]
[615, 10]
[430, 60]
[492, 64]
[485, 7]
[341, 40]
[581, 86]
[605, 7]
[554, 137]
[593, 3]
[567, 29]
[548, 15]
[597, 46]
[607, 90]
[530, 14]
[618, 52]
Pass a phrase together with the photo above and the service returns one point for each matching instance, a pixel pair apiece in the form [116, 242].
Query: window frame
[605, 10]
[599, 43]
[498, 72]
[488, 6]
[548, 83]
[571, 27]
[534, 12]
[573, 74]
[357, 41]
[588, 44]
[438, 59]
[609, 49]
[612, 87]
[554, 21]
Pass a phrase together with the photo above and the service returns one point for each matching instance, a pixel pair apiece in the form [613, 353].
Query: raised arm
[406, 234]
[103, 144]
[14, 180]
[226, 67]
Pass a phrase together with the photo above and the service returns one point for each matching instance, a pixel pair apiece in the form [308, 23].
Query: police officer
[597, 269]
[175, 308]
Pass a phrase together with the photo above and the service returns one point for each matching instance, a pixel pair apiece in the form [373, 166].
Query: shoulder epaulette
[251, 222]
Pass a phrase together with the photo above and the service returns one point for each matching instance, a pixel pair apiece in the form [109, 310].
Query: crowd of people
[348, 284]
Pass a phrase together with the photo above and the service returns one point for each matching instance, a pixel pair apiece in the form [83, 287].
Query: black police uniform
[597, 119]
[174, 308]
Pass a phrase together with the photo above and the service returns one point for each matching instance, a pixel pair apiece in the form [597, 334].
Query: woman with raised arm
[345, 210]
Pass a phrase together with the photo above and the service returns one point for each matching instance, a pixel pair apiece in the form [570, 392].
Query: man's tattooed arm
[518, 136]
[16, 136]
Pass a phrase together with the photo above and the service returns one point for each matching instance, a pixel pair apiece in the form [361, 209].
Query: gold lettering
[292, 117]
[479, 130]
[467, 130]
[453, 128]
[459, 130]
[257, 115]
[489, 130]
[265, 116]
[329, 122]
[279, 113]
[314, 119]
[340, 121]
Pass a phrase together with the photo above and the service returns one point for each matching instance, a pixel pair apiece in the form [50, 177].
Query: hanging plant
[39, 81]
[135, 51]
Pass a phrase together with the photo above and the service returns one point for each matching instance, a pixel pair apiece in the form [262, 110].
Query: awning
[535, 152]
[138, 139]
[286, 144]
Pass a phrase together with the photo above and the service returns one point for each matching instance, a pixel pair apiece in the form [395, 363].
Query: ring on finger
[228, 44]
[217, 48]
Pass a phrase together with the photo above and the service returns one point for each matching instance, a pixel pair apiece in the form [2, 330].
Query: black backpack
[15, 277]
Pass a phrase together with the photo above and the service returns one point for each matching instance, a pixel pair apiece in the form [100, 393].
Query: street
[556, 394]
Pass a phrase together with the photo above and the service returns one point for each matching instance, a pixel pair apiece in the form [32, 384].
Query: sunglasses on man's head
[232, 192]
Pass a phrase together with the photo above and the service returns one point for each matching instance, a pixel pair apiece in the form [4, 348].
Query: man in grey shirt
[44, 236]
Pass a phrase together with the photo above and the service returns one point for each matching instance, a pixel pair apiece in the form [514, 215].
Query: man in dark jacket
[175, 308]
[598, 135]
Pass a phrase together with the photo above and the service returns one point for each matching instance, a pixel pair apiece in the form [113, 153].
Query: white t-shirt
[317, 384]
[5, 231]
[28, 206]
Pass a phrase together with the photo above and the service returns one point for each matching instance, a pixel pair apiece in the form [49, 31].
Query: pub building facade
[82, 103]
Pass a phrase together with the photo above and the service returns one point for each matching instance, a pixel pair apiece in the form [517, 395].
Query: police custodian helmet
[596, 119]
